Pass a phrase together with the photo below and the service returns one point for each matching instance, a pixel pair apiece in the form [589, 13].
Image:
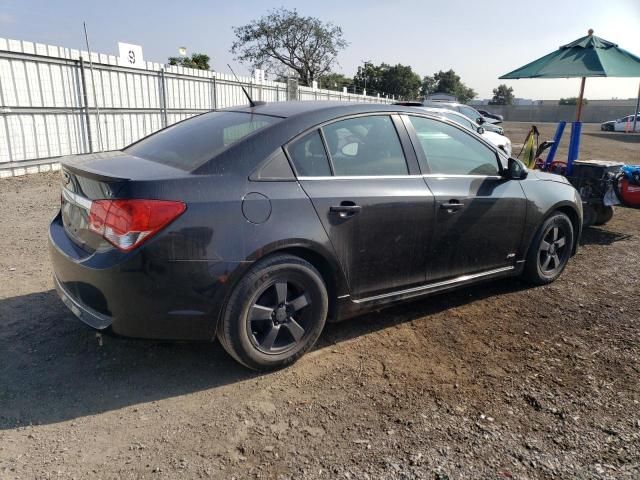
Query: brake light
[127, 223]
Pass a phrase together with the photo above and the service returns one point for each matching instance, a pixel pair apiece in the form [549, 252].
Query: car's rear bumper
[142, 294]
[85, 313]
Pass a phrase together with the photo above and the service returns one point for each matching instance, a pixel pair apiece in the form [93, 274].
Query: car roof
[314, 108]
[433, 103]
[443, 111]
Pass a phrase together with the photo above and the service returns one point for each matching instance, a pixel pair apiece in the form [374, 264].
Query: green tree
[402, 81]
[197, 60]
[572, 101]
[502, 95]
[370, 77]
[447, 82]
[399, 80]
[429, 86]
[334, 81]
[283, 40]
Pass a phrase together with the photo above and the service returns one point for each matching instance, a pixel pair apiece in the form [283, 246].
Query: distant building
[524, 101]
[443, 97]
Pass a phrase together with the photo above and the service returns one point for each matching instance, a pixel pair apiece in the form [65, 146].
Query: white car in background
[623, 124]
[498, 140]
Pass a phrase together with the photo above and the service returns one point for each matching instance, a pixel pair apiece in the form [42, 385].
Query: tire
[550, 250]
[589, 215]
[275, 313]
[603, 214]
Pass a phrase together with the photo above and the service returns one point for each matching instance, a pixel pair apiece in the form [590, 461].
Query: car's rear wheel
[550, 250]
[275, 313]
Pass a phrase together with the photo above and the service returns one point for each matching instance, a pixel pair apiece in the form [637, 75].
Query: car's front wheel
[275, 313]
[550, 250]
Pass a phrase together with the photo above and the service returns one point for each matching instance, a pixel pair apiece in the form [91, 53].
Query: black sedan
[492, 116]
[257, 225]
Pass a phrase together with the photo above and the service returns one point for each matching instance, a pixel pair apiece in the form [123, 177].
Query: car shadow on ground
[53, 369]
[601, 236]
[616, 136]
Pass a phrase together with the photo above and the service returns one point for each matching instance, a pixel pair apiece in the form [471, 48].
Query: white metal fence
[49, 95]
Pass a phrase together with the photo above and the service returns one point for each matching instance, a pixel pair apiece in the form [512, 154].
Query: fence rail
[52, 103]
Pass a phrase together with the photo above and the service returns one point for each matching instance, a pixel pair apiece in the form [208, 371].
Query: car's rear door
[364, 181]
[480, 215]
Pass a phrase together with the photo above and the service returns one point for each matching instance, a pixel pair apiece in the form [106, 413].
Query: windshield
[470, 113]
[189, 144]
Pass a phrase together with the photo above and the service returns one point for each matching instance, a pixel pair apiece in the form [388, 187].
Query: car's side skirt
[351, 307]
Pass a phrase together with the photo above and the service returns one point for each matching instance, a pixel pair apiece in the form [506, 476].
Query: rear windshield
[191, 143]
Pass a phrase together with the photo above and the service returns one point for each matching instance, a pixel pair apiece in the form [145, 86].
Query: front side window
[309, 157]
[365, 146]
[189, 144]
[450, 151]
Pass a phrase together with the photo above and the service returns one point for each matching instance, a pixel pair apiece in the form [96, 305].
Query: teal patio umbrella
[588, 56]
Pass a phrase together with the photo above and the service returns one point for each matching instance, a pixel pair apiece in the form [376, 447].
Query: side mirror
[480, 120]
[480, 130]
[515, 170]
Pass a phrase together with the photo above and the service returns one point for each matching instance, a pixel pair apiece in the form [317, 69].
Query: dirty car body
[153, 241]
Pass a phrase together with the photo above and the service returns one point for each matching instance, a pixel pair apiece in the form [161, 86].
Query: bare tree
[283, 40]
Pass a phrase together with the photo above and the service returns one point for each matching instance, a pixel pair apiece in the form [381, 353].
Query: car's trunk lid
[100, 176]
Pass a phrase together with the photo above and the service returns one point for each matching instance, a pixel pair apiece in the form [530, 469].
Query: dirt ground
[496, 381]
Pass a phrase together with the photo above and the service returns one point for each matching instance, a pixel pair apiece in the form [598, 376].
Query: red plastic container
[630, 193]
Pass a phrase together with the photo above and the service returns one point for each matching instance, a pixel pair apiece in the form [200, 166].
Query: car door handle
[345, 210]
[452, 205]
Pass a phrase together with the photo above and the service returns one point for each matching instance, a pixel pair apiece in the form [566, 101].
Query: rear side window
[191, 143]
[309, 156]
[365, 146]
[450, 151]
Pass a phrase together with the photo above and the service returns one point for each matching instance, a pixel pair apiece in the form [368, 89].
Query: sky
[480, 40]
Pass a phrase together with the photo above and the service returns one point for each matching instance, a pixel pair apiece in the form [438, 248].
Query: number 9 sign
[131, 55]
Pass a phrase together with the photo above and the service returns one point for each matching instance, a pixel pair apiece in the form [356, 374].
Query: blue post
[574, 145]
[556, 142]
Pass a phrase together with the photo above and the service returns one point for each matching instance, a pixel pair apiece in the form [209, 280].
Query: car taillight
[127, 223]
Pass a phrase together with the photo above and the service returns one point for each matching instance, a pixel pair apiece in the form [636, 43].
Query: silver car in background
[469, 112]
[496, 139]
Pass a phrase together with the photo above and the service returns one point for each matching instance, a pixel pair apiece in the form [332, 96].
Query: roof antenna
[246, 94]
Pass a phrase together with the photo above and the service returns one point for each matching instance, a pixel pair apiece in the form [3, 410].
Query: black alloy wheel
[551, 253]
[278, 318]
[550, 250]
[275, 313]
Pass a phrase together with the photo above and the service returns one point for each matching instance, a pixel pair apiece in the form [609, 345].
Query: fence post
[85, 101]
[163, 98]
[215, 93]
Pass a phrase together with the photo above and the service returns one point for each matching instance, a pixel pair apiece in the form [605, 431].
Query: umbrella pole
[576, 129]
[580, 99]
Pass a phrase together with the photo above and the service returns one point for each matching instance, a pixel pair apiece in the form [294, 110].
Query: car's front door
[480, 215]
[626, 124]
[365, 184]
